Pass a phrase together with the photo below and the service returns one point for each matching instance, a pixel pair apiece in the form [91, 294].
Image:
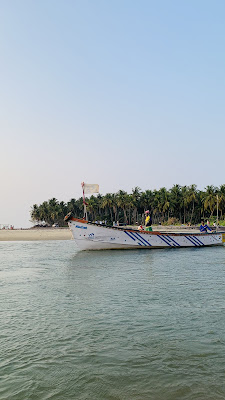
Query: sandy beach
[35, 234]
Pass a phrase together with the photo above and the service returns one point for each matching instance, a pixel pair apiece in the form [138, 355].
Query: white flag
[90, 188]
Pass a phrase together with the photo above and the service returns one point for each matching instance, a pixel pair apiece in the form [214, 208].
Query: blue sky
[119, 93]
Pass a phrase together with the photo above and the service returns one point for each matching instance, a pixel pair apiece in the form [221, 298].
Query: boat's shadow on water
[139, 255]
[104, 252]
[109, 258]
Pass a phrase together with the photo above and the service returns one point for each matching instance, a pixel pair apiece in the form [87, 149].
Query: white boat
[92, 236]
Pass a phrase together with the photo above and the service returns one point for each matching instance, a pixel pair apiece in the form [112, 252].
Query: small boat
[93, 236]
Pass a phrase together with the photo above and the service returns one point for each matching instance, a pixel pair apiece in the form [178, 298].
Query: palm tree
[130, 206]
[122, 202]
[115, 206]
[72, 206]
[184, 192]
[135, 201]
[221, 198]
[163, 201]
[53, 210]
[63, 210]
[147, 201]
[92, 207]
[210, 199]
[191, 198]
[76, 207]
[44, 212]
[107, 203]
[156, 205]
[176, 201]
[35, 213]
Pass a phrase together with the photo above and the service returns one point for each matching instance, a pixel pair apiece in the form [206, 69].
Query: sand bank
[35, 234]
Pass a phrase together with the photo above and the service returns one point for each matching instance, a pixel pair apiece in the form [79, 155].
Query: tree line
[180, 204]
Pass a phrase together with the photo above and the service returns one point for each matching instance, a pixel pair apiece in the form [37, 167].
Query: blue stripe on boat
[140, 239]
[194, 240]
[174, 241]
[138, 234]
[130, 236]
[191, 241]
[140, 244]
[163, 238]
[197, 239]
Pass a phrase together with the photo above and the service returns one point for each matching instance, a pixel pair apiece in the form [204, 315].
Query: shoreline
[7, 235]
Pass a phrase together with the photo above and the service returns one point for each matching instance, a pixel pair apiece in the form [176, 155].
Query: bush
[172, 221]
[222, 222]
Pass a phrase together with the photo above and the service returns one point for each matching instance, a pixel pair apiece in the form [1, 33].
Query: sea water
[111, 325]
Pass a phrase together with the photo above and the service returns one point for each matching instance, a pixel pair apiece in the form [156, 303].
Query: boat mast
[88, 189]
[84, 203]
[217, 211]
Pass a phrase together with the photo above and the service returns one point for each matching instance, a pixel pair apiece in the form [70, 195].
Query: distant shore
[65, 233]
[35, 234]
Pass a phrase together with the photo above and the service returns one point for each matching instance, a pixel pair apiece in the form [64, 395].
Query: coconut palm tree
[63, 210]
[53, 210]
[44, 212]
[130, 206]
[191, 198]
[176, 201]
[156, 205]
[163, 201]
[210, 199]
[122, 202]
[35, 213]
[221, 198]
[115, 206]
[135, 201]
[184, 201]
[92, 207]
[107, 204]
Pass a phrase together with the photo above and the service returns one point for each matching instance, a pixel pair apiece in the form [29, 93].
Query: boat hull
[90, 236]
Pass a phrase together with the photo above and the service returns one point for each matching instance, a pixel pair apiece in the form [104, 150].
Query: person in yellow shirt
[148, 222]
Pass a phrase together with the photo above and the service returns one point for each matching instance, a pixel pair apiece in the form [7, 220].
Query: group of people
[204, 227]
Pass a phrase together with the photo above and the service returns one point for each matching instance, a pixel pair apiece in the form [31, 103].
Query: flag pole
[84, 203]
[217, 212]
[88, 189]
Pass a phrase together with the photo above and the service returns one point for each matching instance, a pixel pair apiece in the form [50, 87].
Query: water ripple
[111, 325]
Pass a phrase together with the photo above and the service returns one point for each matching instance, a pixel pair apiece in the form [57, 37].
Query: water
[111, 325]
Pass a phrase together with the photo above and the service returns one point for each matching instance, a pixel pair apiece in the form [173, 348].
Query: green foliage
[172, 221]
[180, 204]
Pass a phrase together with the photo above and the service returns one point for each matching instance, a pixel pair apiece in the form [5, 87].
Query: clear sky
[122, 93]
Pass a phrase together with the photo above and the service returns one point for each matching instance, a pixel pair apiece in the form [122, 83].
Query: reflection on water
[140, 324]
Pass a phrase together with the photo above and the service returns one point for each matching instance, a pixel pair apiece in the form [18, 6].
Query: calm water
[112, 325]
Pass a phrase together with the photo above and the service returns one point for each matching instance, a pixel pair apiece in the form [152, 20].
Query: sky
[121, 93]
